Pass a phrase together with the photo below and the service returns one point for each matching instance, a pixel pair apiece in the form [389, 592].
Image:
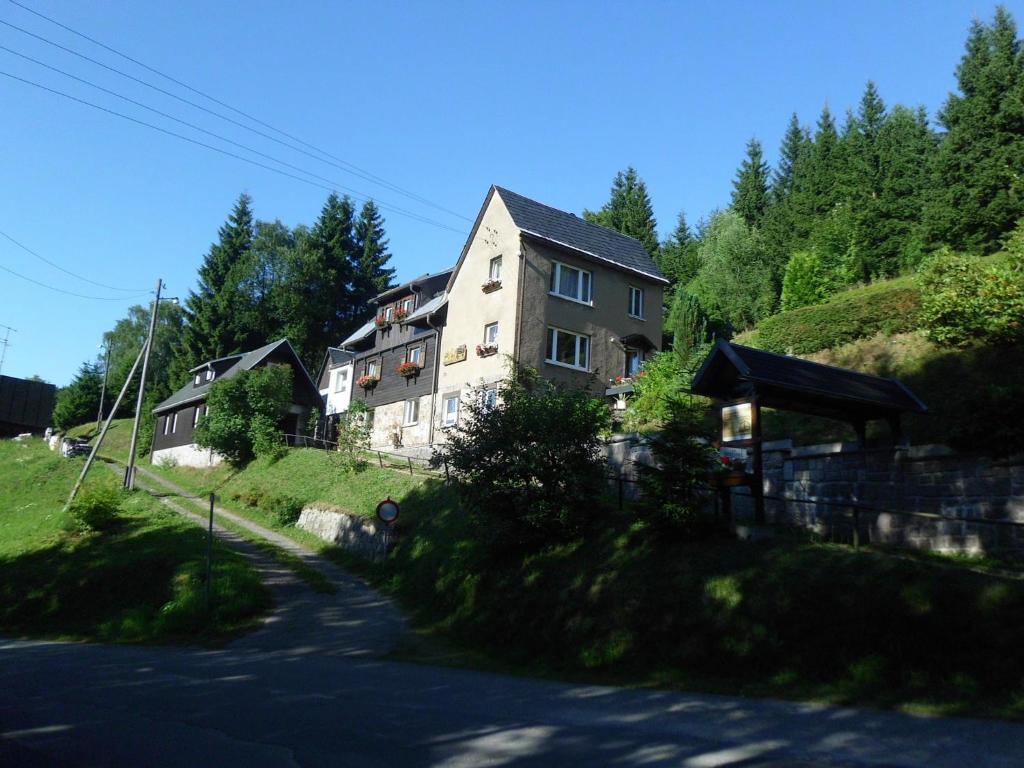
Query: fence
[385, 459]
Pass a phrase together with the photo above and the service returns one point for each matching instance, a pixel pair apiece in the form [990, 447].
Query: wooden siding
[393, 387]
[182, 435]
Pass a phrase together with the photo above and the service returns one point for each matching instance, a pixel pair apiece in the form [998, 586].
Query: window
[634, 357]
[569, 349]
[570, 283]
[407, 304]
[174, 422]
[195, 416]
[491, 333]
[341, 380]
[199, 379]
[495, 271]
[412, 412]
[209, 374]
[415, 355]
[389, 314]
[490, 398]
[371, 367]
[636, 302]
[450, 410]
[167, 425]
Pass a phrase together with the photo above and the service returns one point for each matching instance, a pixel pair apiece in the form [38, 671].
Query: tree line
[851, 203]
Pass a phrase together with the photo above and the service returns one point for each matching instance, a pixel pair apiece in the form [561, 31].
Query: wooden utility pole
[103, 389]
[5, 341]
[129, 476]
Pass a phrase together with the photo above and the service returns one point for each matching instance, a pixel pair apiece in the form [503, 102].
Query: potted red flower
[486, 350]
[367, 381]
[408, 370]
[401, 313]
[491, 285]
[381, 322]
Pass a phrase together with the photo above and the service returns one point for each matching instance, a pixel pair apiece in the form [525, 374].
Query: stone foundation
[366, 538]
[388, 422]
[189, 455]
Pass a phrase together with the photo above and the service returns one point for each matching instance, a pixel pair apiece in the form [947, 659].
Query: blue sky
[547, 98]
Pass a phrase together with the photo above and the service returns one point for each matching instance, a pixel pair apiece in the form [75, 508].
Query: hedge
[891, 306]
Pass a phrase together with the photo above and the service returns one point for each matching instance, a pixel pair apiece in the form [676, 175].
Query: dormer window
[209, 374]
[407, 304]
[199, 379]
[389, 314]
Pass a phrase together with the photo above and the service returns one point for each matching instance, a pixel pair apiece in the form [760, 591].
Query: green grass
[141, 581]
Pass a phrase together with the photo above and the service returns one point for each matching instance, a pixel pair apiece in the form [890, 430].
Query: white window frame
[634, 294]
[445, 420]
[556, 281]
[420, 354]
[199, 379]
[389, 313]
[174, 423]
[639, 353]
[370, 367]
[209, 374]
[494, 270]
[341, 380]
[488, 336]
[195, 416]
[407, 304]
[414, 405]
[489, 398]
[552, 341]
[167, 424]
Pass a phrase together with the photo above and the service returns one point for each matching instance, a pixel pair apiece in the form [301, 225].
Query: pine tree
[750, 187]
[822, 190]
[373, 276]
[78, 402]
[979, 184]
[677, 256]
[212, 312]
[629, 210]
[795, 145]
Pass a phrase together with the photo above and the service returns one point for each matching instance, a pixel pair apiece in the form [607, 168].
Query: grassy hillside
[140, 581]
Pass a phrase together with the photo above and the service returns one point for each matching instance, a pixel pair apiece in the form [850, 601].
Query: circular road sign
[387, 511]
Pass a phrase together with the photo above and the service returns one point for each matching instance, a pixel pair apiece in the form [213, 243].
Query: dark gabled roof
[243, 362]
[333, 358]
[410, 285]
[576, 233]
[732, 371]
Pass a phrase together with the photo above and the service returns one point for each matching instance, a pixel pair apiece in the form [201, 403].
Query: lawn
[139, 581]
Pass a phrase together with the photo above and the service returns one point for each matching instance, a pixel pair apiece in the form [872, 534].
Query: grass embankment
[788, 618]
[140, 581]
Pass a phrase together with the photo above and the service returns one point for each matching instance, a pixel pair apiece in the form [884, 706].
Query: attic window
[209, 374]
[199, 379]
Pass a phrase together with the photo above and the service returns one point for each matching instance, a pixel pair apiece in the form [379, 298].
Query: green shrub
[805, 282]
[96, 508]
[283, 510]
[967, 299]
[891, 306]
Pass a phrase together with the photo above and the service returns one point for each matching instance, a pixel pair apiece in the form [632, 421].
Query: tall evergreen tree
[979, 184]
[629, 210]
[213, 310]
[750, 187]
[373, 275]
[677, 257]
[822, 189]
[796, 143]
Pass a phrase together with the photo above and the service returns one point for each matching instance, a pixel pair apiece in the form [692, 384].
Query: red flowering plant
[381, 322]
[491, 285]
[367, 381]
[484, 350]
[409, 369]
[731, 464]
[401, 313]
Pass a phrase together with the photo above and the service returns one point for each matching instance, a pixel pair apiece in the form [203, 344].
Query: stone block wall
[366, 538]
[964, 504]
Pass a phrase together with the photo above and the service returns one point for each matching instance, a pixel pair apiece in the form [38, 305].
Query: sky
[440, 100]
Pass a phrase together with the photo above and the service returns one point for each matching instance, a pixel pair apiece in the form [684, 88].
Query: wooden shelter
[742, 380]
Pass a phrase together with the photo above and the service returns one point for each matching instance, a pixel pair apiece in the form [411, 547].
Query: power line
[341, 164]
[67, 271]
[334, 184]
[72, 293]
[359, 196]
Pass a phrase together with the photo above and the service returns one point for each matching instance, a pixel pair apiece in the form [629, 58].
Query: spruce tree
[629, 210]
[750, 187]
[979, 184]
[373, 275]
[213, 310]
[822, 189]
[677, 256]
[795, 145]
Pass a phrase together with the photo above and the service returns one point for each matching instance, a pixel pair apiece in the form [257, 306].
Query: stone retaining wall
[366, 538]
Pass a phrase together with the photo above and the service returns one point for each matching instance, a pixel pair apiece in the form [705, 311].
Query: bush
[530, 468]
[664, 378]
[967, 299]
[805, 282]
[283, 510]
[96, 508]
[891, 306]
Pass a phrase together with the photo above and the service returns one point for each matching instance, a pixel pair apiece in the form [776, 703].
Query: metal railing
[394, 460]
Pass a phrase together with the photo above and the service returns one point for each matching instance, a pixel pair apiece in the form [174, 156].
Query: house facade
[335, 381]
[178, 416]
[579, 302]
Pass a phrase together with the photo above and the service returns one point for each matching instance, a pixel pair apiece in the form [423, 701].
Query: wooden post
[209, 556]
[758, 479]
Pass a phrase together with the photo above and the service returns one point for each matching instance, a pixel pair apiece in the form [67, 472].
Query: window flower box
[408, 370]
[486, 350]
[490, 286]
[621, 380]
[382, 322]
[400, 314]
[367, 382]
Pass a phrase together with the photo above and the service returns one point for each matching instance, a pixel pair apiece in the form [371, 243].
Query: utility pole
[5, 342]
[129, 477]
[103, 389]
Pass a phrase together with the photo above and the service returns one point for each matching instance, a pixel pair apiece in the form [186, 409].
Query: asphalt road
[309, 689]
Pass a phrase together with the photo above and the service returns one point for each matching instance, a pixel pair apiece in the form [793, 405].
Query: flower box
[367, 382]
[382, 322]
[401, 314]
[490, 286]
[486, 350]
[408, 370]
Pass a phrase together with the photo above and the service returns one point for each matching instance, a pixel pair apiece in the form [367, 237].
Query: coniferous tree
[821, 189]
[677, 256]
[212, 312]
[629, 210]
[373, 275]
[78, 402]
[750, 187]
[979, 174]
[795, 145]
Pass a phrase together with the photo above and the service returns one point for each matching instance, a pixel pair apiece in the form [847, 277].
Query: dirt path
[355, 621]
